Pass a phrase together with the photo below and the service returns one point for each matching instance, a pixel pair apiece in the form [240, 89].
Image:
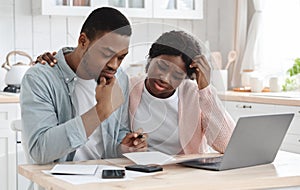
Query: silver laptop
[255, 140]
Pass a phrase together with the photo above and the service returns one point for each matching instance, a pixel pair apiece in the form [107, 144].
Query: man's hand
[46, 57]
[109, 97]
[134, 142]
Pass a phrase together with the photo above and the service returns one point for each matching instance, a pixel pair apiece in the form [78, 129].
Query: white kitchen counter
[281, 98]
[288, 99]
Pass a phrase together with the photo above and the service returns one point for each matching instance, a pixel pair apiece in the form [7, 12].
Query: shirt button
[75, 79]
[67, 79]
[69, 94]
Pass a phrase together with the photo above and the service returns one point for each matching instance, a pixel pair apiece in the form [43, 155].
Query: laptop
[254, 141]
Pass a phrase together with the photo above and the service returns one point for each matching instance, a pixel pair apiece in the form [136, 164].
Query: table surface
[283, 172]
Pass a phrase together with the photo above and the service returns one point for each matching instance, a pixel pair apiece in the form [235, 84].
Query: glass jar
[245, 77]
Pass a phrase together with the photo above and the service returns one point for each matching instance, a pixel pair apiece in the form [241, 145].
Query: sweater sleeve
[216, 123]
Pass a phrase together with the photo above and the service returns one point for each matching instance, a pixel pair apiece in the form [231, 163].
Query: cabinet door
[291, 141]
[179, 9]
[133, 8]
[238, 109]
[62, 7]
[295, 125]
[130, 8]
[8, 170]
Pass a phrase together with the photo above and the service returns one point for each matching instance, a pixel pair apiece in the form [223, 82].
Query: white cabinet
[184, 9]
[8, 148]
[291, 141]
[238, 109]
[179, 9]
[131, 8]
[11, 150]
[59, 7]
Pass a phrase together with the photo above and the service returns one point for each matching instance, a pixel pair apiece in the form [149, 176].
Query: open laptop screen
[255, 140]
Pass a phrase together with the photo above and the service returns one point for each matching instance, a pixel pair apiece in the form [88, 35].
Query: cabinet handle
[244, 106]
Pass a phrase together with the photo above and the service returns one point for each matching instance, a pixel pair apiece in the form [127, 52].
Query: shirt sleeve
[116, 127]
[47, 140]
[124, 119]
[216, 122]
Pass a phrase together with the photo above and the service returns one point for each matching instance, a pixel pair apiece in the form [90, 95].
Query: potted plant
[293, 81]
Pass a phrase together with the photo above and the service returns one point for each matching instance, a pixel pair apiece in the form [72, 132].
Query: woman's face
[165, 74]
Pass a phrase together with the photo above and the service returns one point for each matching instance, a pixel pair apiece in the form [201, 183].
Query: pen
[141, 135]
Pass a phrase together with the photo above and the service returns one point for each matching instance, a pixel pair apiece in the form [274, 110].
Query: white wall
[35, 34]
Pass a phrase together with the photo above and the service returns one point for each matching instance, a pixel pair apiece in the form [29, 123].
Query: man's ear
[83, 40]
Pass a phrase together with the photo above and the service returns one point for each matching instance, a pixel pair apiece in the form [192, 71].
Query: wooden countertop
[288, 99]
[9, 98]
[283, 172]
[281, 98]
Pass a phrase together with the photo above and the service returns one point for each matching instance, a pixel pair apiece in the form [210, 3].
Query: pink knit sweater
[202, 118]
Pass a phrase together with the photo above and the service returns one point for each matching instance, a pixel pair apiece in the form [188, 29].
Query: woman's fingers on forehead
[203, 62]
[198, 57]
[197, 63]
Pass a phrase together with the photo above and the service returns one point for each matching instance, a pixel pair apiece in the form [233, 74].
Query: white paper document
[74, 169]
[159, 158]
[145, 158]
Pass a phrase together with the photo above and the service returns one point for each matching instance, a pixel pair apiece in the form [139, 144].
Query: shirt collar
[67, 72]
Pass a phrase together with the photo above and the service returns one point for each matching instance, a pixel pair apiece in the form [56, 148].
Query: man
[66, 115]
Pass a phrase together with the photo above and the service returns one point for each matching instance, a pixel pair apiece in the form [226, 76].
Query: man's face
[104, 56]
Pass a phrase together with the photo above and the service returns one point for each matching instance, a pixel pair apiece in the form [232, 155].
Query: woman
[179, 115]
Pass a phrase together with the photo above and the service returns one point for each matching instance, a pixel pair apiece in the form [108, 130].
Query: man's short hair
[106, 19]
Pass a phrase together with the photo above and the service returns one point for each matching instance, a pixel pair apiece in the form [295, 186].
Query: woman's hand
[46, 57]
[134, 142]
[202, 70]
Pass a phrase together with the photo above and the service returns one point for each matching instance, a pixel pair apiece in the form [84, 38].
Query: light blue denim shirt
[51, 128]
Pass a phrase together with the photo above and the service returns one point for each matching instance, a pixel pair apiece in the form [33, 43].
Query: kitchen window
[279, 43]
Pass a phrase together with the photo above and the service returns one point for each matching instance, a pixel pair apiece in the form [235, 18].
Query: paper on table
[145, 158]
[83, 179]
[159, 158]
[73, 169]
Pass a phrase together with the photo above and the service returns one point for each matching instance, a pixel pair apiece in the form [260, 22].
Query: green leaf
[297, 61]
[295, 69]
[290, 84]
